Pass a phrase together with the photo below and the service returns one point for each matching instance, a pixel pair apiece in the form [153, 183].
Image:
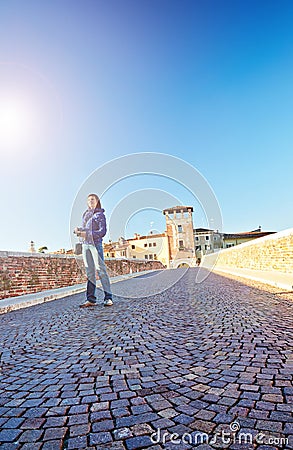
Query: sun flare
[18, 122]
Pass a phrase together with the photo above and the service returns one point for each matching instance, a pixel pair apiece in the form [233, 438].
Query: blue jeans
[93, 258]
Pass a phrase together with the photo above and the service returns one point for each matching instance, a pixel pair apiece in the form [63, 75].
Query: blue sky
[207, 81]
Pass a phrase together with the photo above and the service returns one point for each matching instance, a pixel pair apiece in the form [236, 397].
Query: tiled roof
[247, 234]
[149, 236]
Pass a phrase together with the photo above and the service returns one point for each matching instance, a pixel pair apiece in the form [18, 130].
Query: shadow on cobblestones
[192, 359]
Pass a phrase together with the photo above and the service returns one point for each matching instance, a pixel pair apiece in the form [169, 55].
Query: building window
[133, 247]
[134, 257]
[150, 256]
[179, 228]
[154, 244]
[207, 238]
[112, 255]
[181, 245]
[155, 256]
[145, 245]
[146, 256]
[196, 238]
[150, 244]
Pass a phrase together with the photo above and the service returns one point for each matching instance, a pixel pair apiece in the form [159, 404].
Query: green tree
[42, 249]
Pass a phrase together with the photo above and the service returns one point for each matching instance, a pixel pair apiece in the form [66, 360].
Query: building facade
[232, 239]
[179, 224]
[208, 241]
[150, 247]
[117, 249]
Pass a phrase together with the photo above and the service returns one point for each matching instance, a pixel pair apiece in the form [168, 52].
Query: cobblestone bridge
[204, 365]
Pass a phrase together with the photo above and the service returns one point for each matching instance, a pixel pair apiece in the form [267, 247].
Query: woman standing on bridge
[92, 232]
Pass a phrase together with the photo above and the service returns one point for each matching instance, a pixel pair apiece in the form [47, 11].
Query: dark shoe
[86, 304]
[108, 302]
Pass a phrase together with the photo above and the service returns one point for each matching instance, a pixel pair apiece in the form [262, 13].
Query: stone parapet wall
[269, 253]
[27, 273]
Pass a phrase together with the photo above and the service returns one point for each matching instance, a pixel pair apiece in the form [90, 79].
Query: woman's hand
[81, 234]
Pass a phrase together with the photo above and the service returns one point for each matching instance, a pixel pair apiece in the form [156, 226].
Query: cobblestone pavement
[206, 361]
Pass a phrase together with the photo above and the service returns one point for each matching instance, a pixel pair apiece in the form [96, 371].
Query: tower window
[179, 228]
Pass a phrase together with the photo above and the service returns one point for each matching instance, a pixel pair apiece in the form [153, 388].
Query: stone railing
[27, 273]
[271, 255]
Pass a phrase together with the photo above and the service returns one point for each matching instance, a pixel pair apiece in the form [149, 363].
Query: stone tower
[32, 247]
[179, 224]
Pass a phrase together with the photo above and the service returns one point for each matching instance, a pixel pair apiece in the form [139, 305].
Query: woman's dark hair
[97, 198]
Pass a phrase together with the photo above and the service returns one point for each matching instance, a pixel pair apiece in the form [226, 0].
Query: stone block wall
[27, 273]
[273, 252]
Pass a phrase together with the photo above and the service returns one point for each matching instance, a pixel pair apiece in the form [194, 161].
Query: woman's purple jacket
[94, 224]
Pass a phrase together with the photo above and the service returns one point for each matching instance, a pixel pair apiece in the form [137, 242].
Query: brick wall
[26, 273]
[273, 252]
